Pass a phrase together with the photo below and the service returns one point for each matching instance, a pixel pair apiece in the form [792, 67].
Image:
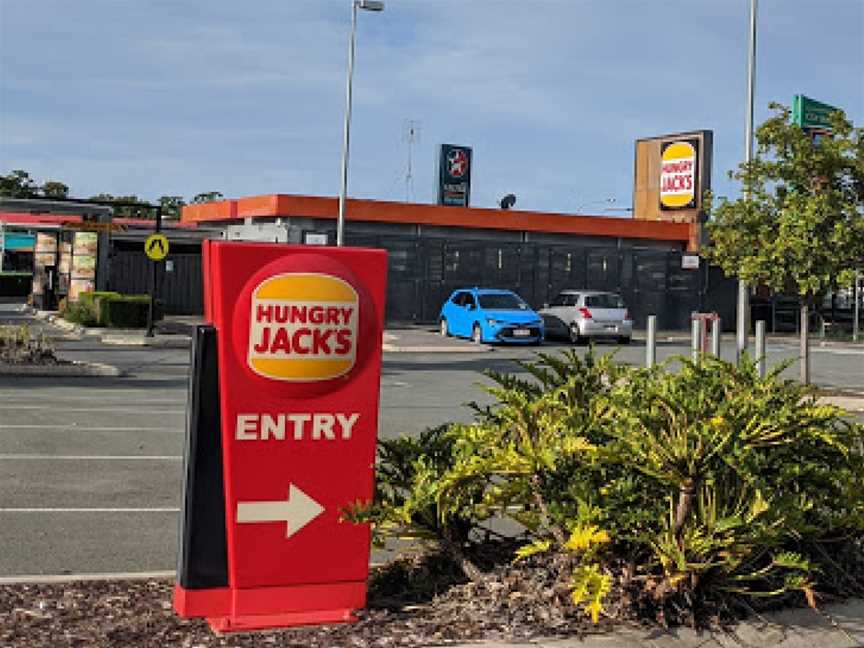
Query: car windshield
[604, 301]
[502, 301]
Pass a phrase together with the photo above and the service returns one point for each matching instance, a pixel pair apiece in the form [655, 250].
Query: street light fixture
[605, 201]
[367, 5]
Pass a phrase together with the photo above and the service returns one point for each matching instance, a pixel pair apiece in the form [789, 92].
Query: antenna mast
[410, 135]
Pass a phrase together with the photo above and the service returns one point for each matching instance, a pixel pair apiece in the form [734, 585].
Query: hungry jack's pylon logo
[678, 175]
[303, 327]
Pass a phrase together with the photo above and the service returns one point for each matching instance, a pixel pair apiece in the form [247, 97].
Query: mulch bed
[511, 603]
[413, 602]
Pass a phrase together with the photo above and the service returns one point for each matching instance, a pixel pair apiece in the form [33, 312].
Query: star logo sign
[457, 163]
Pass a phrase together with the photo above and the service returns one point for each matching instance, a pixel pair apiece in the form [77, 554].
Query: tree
[799, 225]
[127, 210]
[55, 189]
[171, 206]
[18, 184]
[207, 196]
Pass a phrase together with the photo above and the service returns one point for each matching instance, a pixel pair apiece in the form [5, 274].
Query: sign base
[191, 603]
[264, 608]
[225, 625]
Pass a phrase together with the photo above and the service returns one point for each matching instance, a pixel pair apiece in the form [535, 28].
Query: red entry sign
[299, 355]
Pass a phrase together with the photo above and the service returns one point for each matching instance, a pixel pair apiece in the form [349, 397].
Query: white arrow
[297, 511]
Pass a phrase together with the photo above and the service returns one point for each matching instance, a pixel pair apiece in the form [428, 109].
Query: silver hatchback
[583, 314]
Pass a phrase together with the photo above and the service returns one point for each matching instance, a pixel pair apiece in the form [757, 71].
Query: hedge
[109, 309]
[124, 311]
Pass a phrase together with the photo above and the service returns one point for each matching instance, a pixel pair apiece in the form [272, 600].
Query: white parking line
[88, 393]
[24, 396]
[138, 409]
[92, 457]
[71, 578]
[90, 510]
[840, 352]
[788, 349]
[84, 428]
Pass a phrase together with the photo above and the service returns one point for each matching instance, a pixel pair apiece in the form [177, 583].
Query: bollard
[760, 348]
[651, 343]
[857, 295]
[715, 337]
[696, 339]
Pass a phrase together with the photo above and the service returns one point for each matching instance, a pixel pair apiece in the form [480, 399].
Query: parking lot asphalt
[91, 468]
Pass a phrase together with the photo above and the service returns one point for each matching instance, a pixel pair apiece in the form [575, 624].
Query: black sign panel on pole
[454, 175]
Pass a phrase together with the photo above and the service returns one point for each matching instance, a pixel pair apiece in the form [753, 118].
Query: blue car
[488, 315]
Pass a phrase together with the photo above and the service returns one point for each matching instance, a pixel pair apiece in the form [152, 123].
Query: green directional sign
[810, 114]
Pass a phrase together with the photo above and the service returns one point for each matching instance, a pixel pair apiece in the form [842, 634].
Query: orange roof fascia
[276, 205]
[212, 211]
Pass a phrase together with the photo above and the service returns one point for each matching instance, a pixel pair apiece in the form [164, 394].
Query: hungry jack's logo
[678, 175]
[303, 327]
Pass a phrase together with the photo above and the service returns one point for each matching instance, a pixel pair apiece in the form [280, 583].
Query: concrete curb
[53, 579]
[59, 322]
[683, 338]
[390, 345]
[72, 370]
[162, 342]
[848, 403]
[395, 348]
[127, 337]
[52, 317]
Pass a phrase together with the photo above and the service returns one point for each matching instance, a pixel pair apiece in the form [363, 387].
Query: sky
[175, 97]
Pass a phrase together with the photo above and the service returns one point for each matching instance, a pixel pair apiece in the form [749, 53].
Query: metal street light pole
[368, 5]
[743, 323]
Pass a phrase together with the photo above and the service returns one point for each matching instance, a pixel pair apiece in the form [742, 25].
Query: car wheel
[476, 334]
[575, 335]
[624, 340]
[443, 327]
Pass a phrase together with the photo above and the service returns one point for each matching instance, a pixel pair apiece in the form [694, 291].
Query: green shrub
[125, 311]
[109, 309]
[408, 500]
[87, 311]
[757, 475]
[97, 303]
[79, 313]
[705, 481]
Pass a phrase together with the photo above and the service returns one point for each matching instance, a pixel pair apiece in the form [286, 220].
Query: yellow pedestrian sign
[156, 247]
